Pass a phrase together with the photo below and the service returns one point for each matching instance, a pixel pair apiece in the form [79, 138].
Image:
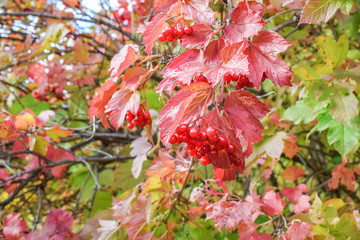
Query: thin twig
[39, 208]
[283, 12]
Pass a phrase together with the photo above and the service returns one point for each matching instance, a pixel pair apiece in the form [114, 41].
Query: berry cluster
[204, 144]
[241, 80]
[198, 78]
[140, 119]
[170, 33]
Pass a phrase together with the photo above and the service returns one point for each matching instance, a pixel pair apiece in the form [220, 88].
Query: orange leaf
[56, 133]
[292, 173]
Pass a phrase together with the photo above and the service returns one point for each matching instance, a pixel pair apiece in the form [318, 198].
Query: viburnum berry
[173, 139]
[230, 148]
[204, 160]
[162, 37]
[194, 132]
[188, 30]
[170, 38]
[130, 125]
[180, 32]
[210, 131]
[169, 30]
[222, 141]
[146, 115]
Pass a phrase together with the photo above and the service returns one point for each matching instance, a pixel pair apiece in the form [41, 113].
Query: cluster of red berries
[170, 33]
[241, 80]
[140, 119]
[204, 144]
[198, 78]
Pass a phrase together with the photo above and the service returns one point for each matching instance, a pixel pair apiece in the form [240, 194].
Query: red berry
[188, 30]
[203, 136]
[169, 30]
[149, 121]
[204, 161]
[210, 131]
[185, 138]
[129, 118]
[199, 153]
[142, 123]
[139, 112]
[243, 79]
[227, 78]
[213, 152]
[238, 162]
[182, 129]
[130, 125]
[162, 37]
[214, 139]
[199, 144]
[234, 77]
[194, 132]
[136, 122]
[146, 115]
[249, 85]
[239, 85]
[222, 141]
[264, 76]
[140, 118]
[192, 152]
[230, 148]
[180, 32]
[191, 146]
[170, 38]
[173, 139]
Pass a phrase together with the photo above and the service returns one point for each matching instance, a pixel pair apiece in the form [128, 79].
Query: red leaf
[243, 109]
[246, 230]
[298, 231]
[152, 31]
[246, 23]
[127, 56]
[212, 51]
[141, 147]
[262, 58]
[122, 101]
[14, 226]
[292, 173]
[273, 205]
[57, 226]
[56, 155]
[184, 106]
[72, 3]
[302, 205]
[201, 36]
[133, 77]
[163, 5]
[261, 236]
[199, 11]
[294, 194]
[224, 174]
[98, 103]
[342, 175]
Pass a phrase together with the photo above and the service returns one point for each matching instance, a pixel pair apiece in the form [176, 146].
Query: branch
[283, 12]
[228, 20]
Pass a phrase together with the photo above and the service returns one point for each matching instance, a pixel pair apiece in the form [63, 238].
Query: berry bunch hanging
[204, 144]
[140, 119]
[241, 80]
[170, 33]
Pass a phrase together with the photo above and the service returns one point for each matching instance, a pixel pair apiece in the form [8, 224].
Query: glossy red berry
[194, 132]
[136, 122]
[139, 112]
[222, 141]
[149, 121]
[170, 38]
[192, 152]
[190, 146]
[230, 148]
[227, 78]
[213, 153]
[182, 129]
[140, 118]
[188, 30]
[129, 118]
[130, 125]
[204, 160]
[173, 139]
[162, 37]
[238, 162]
[210, 131]
[142, 123]
[180, 32]
[146, 115]
[203, 136]
[169, 30]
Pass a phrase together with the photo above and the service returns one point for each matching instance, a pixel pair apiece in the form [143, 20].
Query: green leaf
[299, 113]
[106, 177]
[343, 137]
[78, 107]
[346, 6]
[346, 227]
[102, 201]
[29, 102]
[344, 105]
[331, 52]
[123, 177]
[317, 211]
